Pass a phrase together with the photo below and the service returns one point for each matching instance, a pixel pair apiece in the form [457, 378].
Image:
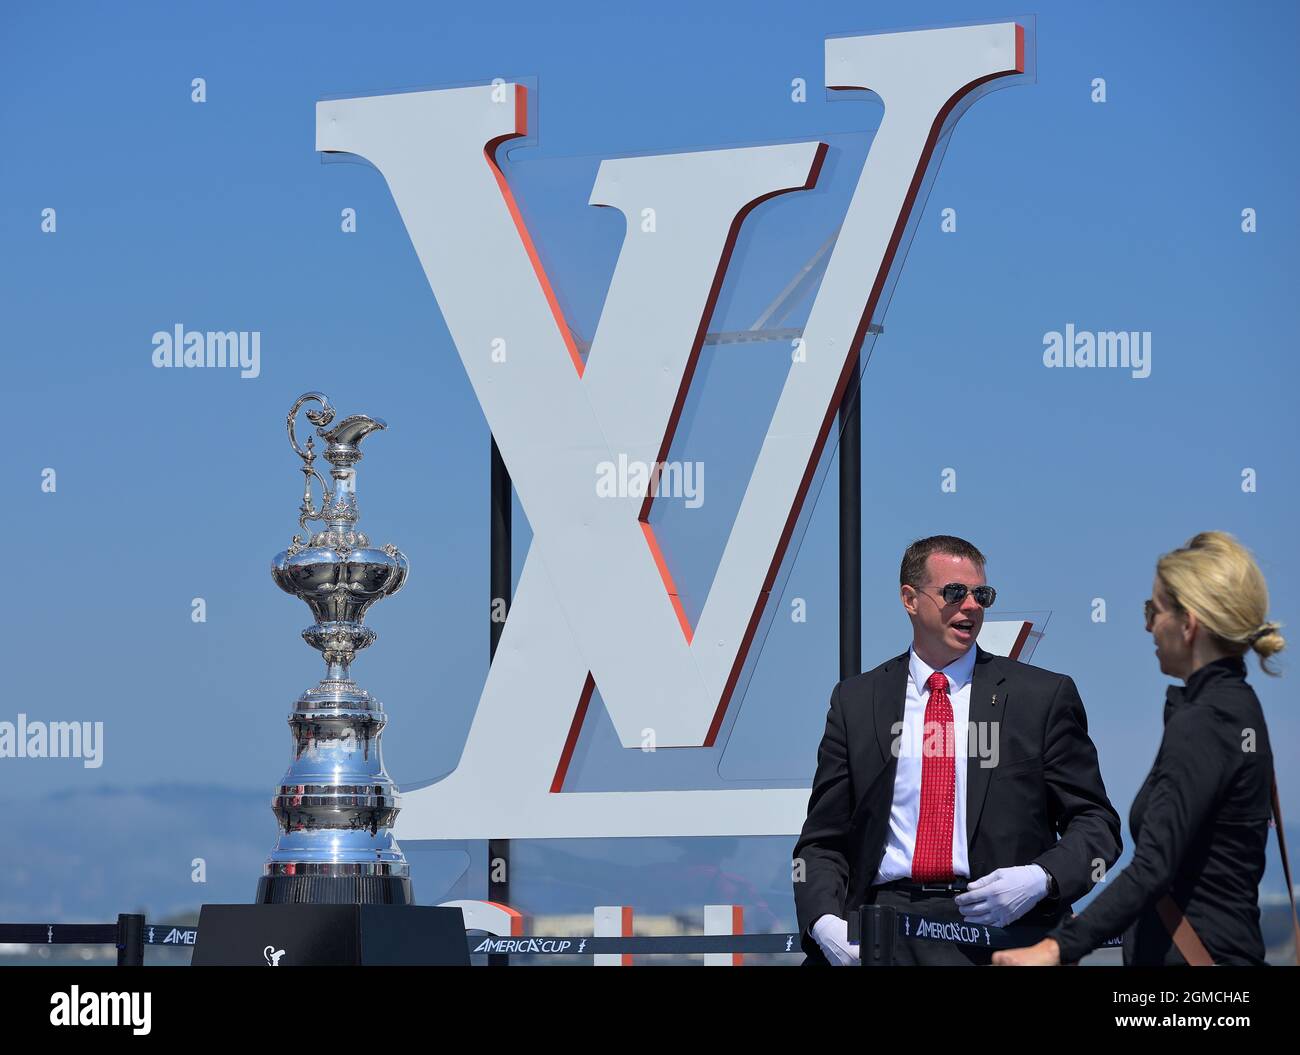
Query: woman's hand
[1045, 954]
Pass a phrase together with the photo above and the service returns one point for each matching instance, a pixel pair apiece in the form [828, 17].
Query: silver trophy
[336, 804]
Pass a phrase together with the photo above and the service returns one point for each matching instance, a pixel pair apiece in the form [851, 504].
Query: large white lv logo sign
[595, 598]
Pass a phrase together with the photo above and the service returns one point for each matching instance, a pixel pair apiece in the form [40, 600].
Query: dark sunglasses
[955, 593]
[1150, 611]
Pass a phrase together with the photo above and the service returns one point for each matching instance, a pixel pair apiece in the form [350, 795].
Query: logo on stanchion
[938, 930]
[525, 945]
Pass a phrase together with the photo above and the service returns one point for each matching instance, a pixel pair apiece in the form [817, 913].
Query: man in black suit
[950, 782]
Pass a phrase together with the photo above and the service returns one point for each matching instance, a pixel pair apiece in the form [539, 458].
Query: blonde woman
[1200, 821]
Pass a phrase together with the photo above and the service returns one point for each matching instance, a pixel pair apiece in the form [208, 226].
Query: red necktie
[932, 858]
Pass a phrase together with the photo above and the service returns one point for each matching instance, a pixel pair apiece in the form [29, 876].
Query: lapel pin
[995, 699]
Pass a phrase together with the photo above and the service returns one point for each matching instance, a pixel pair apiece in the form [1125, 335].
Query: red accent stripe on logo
[667, 577]
[575, 727]
[489, 152]
[1021, 638]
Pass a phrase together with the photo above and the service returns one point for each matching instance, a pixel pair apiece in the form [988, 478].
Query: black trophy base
[334, 890]
[330, 936]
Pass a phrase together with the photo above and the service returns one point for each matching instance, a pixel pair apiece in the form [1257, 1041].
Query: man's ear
[908, 595]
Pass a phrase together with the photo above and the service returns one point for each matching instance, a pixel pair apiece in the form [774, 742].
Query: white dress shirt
[905, 813]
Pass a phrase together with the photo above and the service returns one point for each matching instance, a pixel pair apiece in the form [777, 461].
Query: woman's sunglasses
[1150, 611]
[955, 593]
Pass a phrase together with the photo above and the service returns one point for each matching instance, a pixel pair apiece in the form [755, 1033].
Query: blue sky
[176, 484]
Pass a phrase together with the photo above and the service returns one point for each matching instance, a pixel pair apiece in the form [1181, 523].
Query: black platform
[330, 936]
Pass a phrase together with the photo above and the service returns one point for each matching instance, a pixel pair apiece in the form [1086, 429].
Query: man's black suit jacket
[1043, 803]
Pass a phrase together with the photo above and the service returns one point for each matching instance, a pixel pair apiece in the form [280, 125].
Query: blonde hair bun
[1216, 577]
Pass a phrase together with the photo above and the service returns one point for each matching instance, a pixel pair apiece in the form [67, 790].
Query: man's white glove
[832, 934]
[1003, 896]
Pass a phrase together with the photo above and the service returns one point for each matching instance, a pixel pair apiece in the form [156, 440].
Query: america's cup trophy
[336, 804]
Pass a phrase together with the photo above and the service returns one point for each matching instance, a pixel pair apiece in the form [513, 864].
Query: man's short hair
[912, 572]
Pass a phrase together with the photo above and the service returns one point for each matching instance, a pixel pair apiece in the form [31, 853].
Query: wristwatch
[1053, 891]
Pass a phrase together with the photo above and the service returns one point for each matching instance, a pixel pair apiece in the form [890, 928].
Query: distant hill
[86, 856]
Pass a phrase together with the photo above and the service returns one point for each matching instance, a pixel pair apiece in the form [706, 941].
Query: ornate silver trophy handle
[320, 418]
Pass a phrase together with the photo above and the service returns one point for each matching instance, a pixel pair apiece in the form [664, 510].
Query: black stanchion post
[499, 544]
[879, 927]
[850, 452]
[130, 939]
